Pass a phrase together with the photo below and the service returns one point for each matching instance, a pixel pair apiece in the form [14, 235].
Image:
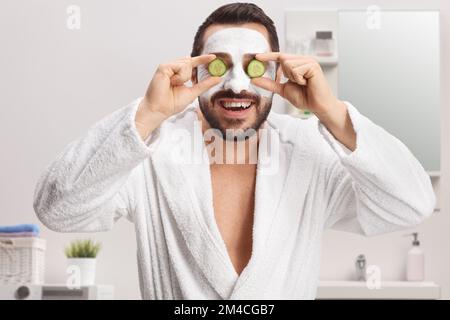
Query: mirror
[389, 69]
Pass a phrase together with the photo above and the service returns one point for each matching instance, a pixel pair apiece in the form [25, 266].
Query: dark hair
[236, 13]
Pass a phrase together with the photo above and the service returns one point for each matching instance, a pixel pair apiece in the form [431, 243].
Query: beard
[235, 129]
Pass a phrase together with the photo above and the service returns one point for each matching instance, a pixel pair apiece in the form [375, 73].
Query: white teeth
[237, 104]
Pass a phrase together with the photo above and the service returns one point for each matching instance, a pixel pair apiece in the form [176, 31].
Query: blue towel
[20, 228]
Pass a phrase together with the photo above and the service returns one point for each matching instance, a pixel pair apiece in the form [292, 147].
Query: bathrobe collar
[277, 193]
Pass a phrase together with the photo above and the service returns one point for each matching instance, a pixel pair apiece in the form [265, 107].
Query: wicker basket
[22, 260]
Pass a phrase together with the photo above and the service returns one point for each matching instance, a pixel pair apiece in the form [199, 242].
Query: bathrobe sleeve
[85, 189]
[379, 187]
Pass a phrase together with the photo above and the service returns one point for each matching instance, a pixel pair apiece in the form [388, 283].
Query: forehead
[235, 40]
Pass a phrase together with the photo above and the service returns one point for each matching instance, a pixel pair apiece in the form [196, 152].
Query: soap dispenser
[415, 264]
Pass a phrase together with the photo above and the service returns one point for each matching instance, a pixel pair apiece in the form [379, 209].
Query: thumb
[204, 85]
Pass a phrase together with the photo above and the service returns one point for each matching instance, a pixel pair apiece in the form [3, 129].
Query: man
[234, 229]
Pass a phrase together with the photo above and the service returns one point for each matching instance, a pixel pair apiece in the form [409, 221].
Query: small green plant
[82, 249]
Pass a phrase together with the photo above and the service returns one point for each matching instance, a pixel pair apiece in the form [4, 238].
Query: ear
[194, 76]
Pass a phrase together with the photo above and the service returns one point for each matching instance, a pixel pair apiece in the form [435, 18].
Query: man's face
[235, 103]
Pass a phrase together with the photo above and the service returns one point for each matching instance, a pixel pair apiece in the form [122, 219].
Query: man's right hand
[167, 93]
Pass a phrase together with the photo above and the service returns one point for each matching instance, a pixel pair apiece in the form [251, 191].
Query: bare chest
[233, 201]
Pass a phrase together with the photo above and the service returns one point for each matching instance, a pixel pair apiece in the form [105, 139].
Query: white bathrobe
[317, 183]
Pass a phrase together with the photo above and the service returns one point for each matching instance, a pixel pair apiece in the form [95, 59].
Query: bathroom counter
[426, 290]
[55, 292]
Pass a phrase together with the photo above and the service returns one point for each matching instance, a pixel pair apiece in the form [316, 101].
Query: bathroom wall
[57, 82]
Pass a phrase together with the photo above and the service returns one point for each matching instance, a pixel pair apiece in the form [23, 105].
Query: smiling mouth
[236, 105]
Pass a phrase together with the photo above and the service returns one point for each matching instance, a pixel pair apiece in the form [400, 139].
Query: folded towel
[18, 234]
[20, 228]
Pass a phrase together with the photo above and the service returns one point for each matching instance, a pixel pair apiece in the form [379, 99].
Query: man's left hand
[307, 88]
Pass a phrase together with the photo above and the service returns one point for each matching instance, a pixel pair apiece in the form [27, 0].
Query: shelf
[388, 290]
[434, 174]
[301, 26]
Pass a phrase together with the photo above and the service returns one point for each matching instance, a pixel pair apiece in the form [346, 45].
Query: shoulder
[305, 136]
[295, 130]
[181, 120]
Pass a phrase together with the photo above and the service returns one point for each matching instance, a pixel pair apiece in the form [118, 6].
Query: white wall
[55, 83]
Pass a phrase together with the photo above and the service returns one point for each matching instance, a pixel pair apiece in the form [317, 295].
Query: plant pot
[85, 268]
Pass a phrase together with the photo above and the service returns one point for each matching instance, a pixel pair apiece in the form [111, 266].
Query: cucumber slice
[256, 69]
[217, 68]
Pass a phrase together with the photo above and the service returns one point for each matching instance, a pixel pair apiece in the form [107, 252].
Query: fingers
[204, 85]
[287, 68]
[180, 71]
[276, 56]
[171, 69]
[301, 73]
[280, 57]
[269, 56]
[296, 68]
[297, 72]
[178, 80]
[203, 59]
[269, 84]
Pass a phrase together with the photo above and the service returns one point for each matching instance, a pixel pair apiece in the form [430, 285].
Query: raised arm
[84, 189]
[375, 184]
[87, 187]
[377, 188]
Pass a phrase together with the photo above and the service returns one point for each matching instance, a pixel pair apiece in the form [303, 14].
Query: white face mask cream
[237, 43]
[236, 104]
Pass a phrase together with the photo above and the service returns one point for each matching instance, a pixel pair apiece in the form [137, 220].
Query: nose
[237, 80]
